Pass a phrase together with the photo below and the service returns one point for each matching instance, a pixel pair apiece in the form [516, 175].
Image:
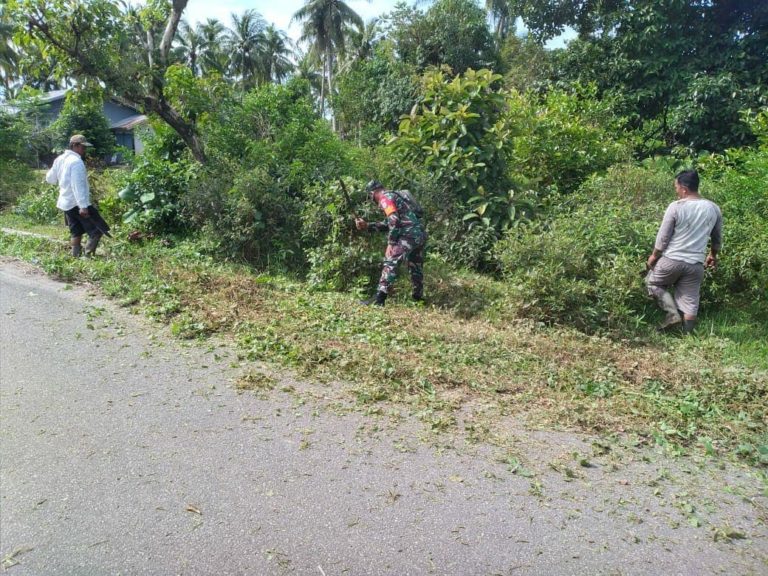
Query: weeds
[696, 393]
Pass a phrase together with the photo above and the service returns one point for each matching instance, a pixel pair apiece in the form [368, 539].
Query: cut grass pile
[470, 363]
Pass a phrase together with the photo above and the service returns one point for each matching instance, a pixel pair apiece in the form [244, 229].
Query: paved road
[122, 454]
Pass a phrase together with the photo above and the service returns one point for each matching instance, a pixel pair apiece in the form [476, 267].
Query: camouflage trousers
[408, 249]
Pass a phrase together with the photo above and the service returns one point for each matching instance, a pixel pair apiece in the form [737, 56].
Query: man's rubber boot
[673, 317]
[689, 326]
[377, 300]
[77, 250]
[93, 243]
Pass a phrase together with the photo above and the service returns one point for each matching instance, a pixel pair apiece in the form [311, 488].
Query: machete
[347, 199]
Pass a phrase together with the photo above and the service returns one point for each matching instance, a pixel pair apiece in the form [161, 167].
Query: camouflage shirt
[401, 221]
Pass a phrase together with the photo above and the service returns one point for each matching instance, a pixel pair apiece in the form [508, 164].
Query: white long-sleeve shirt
[68, 171]
[686, 229]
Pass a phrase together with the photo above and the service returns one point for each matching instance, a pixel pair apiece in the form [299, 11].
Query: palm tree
[244, 41]
[9, 57]
[189, 46]
[501, 14]
[307, 69]
[323, 27]
[275, 55]
[361, 42]
[213, 57]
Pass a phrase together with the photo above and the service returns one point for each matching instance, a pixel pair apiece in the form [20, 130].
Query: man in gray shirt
[680, 253]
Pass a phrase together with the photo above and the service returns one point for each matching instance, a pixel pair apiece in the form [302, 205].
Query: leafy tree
[451, 32]
[83, 113]
[125, 50]
[525, 64]
[684, 68]
[373, 94]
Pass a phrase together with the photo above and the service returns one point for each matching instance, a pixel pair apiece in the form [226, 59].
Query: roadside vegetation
[543, 173]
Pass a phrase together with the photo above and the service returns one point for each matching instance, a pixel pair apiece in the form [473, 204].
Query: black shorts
[93, 225]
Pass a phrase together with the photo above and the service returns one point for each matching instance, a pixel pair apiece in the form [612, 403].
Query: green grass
[16, 222]
[466, 353]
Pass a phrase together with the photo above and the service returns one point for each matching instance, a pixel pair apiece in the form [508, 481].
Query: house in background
[123, 120]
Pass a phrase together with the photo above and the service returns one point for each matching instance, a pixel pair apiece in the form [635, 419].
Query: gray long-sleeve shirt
[687, 226]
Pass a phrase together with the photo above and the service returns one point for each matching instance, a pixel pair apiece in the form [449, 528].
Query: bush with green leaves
[583, 265]
[565, 136]
[154, 192]
[16, 178]
[737, 182]
[106, 185]
[339, 256]
[83, 113]
[495, 155]
[160, 178]
[38, 203]
[14, 157]
[257, 222]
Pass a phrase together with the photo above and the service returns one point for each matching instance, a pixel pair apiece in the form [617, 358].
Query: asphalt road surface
[126, 452]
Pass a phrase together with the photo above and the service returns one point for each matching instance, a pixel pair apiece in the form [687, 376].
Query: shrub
[38, 204]
[340, 257]
[105, 186]
[83, 113]
[17, 178]
[258, 222]
[739, 187]
[495, 155]
[584, 265]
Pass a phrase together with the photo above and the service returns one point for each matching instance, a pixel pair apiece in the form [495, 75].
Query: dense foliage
[536, 166]
[83, 114]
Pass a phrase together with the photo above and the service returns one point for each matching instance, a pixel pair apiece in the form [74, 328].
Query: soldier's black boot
[92, 244]
[418, 294]
[377, 300]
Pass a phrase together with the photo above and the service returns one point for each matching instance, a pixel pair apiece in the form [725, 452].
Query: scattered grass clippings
[680, 393]
[255, 381]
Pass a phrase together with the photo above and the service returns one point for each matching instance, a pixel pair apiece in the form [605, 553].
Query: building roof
[129, 123]
[53, 96]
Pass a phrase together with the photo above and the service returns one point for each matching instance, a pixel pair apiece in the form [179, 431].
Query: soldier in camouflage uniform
[407, 237]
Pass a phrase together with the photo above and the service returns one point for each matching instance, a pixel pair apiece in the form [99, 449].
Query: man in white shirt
[679, 255]
[68, 171]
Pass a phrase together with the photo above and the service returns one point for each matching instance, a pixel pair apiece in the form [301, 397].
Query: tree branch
[170, 29]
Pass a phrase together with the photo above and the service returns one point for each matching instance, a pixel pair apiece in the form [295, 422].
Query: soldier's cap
[372, 186]
[79, 139]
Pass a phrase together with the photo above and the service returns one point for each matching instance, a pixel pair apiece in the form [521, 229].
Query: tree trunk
[322, 89]
[186, 130]
[330, 87]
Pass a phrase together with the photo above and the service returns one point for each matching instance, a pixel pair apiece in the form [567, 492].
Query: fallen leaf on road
[193, 509]
[11, 559]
